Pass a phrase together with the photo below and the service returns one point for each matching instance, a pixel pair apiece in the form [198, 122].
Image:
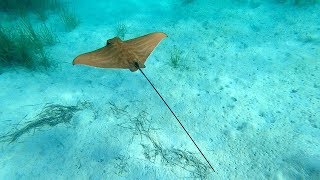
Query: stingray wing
[109, 56]
[143, 46]
[119, 54]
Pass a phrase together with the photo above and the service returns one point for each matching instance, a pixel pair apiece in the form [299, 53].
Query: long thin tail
[137, 66]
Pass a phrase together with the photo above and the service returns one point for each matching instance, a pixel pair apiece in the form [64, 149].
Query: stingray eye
[110, 41]
[114, 40]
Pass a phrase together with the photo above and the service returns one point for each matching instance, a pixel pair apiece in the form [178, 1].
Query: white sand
[247, 89]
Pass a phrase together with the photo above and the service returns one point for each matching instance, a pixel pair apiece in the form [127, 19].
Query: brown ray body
[130, 54]
[122, 54]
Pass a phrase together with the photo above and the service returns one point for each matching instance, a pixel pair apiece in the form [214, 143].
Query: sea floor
[246, 85]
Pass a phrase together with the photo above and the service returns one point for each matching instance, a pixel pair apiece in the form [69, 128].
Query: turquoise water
[242, 77]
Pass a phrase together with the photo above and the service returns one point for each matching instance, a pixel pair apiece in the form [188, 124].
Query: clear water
[242, 76]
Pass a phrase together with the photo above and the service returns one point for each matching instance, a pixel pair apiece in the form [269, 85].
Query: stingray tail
[185, 130]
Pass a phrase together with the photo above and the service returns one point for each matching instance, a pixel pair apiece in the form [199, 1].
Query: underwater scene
[170, 89]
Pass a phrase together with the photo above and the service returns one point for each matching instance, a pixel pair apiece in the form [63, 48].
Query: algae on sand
[154, 151]
[51, 115]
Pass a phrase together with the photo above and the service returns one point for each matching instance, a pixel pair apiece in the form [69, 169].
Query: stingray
[130, 54]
